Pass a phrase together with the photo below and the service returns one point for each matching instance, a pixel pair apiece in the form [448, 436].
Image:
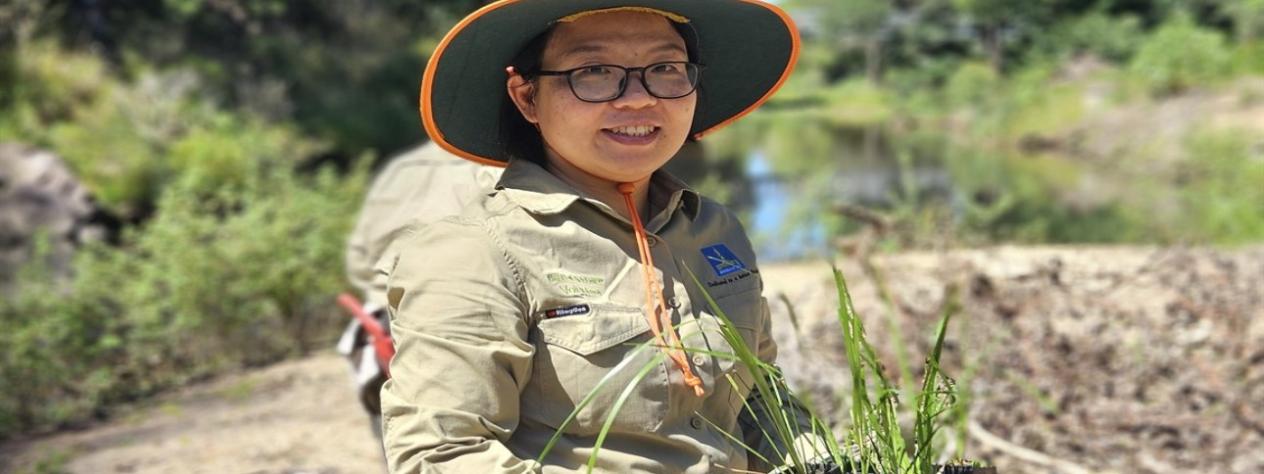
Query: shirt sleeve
[808, 444]
[462, 356]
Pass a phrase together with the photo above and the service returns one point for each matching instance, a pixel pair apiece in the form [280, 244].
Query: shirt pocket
[573, 356]
[720, 369]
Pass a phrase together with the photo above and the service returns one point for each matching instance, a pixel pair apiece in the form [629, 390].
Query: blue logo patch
[722, 260]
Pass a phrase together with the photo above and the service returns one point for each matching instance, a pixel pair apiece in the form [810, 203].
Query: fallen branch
[1029, 455]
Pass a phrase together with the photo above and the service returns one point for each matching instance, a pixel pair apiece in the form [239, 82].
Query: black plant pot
[966, 470]
[828, 467]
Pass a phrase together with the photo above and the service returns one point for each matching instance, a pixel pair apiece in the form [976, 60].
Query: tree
[345, 71]
[1000, 22]
[1247, 17]
[850, 25]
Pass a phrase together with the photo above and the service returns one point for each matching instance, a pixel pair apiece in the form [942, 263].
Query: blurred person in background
[539, 293]
[422, 185]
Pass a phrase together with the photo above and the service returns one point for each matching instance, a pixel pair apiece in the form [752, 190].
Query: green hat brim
[749, 48]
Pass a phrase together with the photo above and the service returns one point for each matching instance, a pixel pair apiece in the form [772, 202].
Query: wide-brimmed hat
[748, 48]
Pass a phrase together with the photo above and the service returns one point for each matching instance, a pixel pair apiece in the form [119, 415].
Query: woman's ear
[522, 93]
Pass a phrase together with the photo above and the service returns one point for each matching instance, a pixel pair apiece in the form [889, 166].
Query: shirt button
[673, 302]
[651, 240]
[695, 422]
[699, 360]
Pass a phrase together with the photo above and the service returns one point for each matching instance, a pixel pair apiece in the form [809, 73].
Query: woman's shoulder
[716, 217]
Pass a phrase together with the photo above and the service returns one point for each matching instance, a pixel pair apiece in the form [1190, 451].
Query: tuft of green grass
[239, 390]
[52, 462]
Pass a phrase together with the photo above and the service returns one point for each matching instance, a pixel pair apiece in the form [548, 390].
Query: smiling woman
[618, 131]
[535, 332]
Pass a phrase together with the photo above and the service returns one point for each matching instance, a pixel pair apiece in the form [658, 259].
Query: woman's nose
[635, 95]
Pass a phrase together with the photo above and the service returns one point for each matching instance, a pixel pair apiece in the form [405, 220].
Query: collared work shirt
[509, 315]
[424, 185]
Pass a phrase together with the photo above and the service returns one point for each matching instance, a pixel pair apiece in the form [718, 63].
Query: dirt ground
[296, 417]
[1076, 360]
[1127, 360]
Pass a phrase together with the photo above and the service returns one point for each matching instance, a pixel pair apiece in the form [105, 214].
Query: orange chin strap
[655, 310]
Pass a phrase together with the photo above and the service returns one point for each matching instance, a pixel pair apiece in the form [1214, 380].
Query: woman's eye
[594, 71]
[665, 68]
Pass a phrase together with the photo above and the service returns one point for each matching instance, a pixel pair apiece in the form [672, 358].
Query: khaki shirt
[508, 315]
[423, 185]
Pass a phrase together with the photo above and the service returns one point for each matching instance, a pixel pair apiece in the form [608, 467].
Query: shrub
[973, 85]
[1113, 38]
[55, 353]
[1219, 189]
[1248, 58]
[238, 273]
[1180, 55]
[127, 140]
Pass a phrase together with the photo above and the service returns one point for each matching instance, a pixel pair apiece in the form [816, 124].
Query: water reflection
[796, 194]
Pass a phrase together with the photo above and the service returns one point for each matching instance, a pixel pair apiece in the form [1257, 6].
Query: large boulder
[41, 199]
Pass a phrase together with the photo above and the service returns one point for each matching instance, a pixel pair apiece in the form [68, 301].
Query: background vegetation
[232, 140]
[970, 122]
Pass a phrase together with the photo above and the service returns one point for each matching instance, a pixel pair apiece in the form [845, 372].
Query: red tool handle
[382, 344]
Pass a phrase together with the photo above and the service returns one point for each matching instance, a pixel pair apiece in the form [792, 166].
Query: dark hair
[518, 136]
[522, 139]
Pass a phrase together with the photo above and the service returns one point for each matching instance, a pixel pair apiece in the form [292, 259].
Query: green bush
[1035, 199]
[974, 85]
[55, 354]
[1220, 197]
[1248, 58]
[128, 140]
[236, 264]
[216, 280]
[1180, 55]
[1113, 38]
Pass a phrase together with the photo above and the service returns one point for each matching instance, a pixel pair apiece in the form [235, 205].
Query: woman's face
[623, 140]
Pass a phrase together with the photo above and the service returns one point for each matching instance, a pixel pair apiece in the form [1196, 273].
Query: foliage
[1218, 190]
[55, 354]
[236, 268]
[857, 103]
[1112, 38]
[973, 86]
[1247, 17]
[127, 140]
[875, 428]
[1021, 153]
[1179, 56]
[1248, 58]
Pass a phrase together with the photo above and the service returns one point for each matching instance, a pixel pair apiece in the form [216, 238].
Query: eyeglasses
[607, 82]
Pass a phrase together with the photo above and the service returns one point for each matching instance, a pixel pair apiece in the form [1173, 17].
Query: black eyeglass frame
[627, 71]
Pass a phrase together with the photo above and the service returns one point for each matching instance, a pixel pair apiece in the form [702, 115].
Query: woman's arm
[457, 317]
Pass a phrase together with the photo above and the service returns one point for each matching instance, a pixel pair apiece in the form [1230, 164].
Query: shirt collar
[539, 192]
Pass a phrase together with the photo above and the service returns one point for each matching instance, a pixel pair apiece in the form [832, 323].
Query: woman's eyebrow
[588, 48]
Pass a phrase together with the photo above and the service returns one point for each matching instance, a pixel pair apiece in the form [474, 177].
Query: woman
[573, 277]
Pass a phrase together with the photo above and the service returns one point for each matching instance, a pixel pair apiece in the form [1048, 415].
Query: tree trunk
[995, 51]
[873, 61]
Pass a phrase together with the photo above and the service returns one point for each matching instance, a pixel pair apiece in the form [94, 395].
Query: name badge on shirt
[567, 311]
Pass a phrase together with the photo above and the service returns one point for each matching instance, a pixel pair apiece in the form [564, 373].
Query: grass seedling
[875, 430]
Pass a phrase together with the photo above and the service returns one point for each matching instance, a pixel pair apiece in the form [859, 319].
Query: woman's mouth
[632, 134]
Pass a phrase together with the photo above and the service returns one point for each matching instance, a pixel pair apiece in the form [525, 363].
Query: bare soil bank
[1111, 359]
[1115, 359]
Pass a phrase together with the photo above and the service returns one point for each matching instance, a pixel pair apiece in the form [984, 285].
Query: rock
[39, 196]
